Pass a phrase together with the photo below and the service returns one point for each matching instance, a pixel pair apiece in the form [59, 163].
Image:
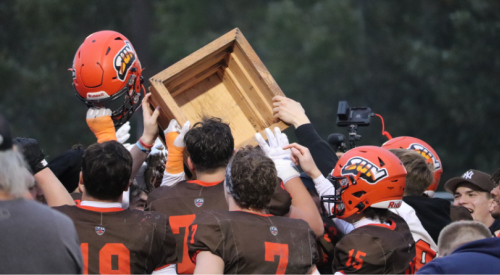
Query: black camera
[347, 116]
[353, 117]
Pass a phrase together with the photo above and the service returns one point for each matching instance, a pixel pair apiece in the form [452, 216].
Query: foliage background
[431, 68]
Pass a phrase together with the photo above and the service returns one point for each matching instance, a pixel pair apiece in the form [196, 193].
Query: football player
[364, 184]
[425, 216]
[246, 239]
[210, 146]
[423, 149]
[456, 213]
[113, 239]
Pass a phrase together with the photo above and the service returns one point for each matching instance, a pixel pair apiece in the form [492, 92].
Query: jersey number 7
[277, 249]
[176, 223]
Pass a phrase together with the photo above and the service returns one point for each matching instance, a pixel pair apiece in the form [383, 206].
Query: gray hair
[458, 233]
[15, 179]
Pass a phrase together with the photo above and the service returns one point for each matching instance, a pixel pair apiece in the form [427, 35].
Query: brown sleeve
[314, 247]
[459, 213]
[359, 253]
[205, 235]
[165, 253]
[280, 201]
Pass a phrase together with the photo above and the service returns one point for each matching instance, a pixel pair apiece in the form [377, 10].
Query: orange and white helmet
[105, 69]
[425, 150]
[366, 176]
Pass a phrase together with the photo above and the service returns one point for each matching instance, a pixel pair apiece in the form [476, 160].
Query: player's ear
[128, 186]
[190, 164]
[81, 187]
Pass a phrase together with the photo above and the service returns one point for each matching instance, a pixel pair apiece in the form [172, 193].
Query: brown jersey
[326, 245]
[254, 243]
[184, 200]
[116, 240]
[377, 249]
[181, 203]
[77, 197]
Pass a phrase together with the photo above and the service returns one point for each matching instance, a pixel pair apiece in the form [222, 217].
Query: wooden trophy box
[224, 79]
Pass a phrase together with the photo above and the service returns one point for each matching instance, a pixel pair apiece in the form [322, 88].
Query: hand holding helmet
[105, 69]
[100, 123]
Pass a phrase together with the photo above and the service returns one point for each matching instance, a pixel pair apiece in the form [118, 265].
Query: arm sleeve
[314, 247]
[360, 254]
[280, 201]
[204, 235]
[343, 226]
[171, 179]
[324, 187]
[321, 152]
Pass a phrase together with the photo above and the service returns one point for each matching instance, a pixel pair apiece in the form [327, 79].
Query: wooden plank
[257, 64]
[197, 68]
[188, 61]
[211, 98]
[236, 91]
[195, 79]
[168, 106]
[243, 94]
[257, 93]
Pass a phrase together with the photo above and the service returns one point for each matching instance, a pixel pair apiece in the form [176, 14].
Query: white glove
[174, 126]
[281, 158]
[122, 134]
[98, 112]
[158, 148]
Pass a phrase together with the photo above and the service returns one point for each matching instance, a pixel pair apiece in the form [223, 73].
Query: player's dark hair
[377, 213]
[106, 170]
[210, 144]
[253, 178]
[419, 172]
[496, 177]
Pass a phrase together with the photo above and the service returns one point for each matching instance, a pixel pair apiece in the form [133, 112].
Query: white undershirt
[101, 204]
[367, 221]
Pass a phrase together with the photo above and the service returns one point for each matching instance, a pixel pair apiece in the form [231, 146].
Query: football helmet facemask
[425, 150]
[366, 176]
[107, 73]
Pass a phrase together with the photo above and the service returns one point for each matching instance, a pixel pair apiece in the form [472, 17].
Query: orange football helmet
[366, 176]
[106, 68]
[425, 150]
